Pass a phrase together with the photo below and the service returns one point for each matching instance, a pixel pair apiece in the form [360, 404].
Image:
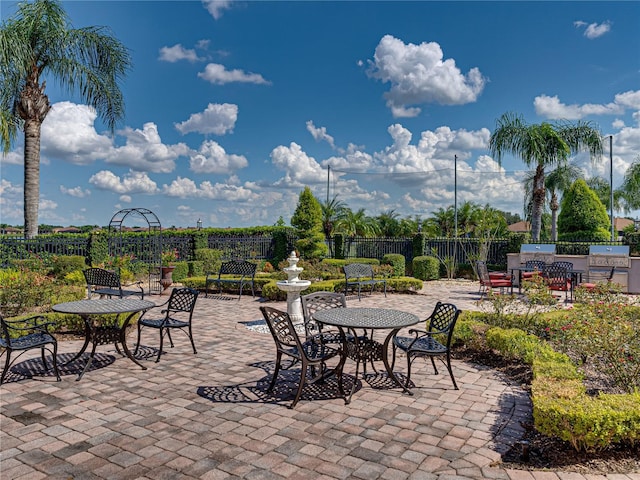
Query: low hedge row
[270, 291]
[561, 406]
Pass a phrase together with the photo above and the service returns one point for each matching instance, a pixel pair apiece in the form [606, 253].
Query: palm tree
[558, 181]
[542, 145]
[388, 223]
[630, 189]
[331, 212]
[356, 224]
[38, 42]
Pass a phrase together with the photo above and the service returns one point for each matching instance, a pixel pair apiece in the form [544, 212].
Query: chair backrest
[238, 267]
[318, 301]
[536, 264]
[101, 277]
[567, 265]
[483, 273]
[556, 276]
[358, 270]
[282, 329]
[443, 319]
[182, 300]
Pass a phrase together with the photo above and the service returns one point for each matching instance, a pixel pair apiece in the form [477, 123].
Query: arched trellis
[149, 252]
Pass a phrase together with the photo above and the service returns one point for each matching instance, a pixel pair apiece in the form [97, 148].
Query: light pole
[613, 238]
[199, 224]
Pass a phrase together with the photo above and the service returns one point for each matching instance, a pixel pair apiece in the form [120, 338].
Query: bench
[359, 274]
[107, 284]
[229, 273]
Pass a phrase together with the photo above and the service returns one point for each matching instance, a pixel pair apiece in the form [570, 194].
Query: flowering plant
[169, 256]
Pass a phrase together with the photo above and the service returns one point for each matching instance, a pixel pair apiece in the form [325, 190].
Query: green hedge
[397, 261]
[561, 407]
[426, 268]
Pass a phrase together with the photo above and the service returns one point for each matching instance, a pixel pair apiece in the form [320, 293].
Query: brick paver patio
[207, 416]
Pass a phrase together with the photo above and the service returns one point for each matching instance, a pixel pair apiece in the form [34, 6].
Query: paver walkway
[207, 416]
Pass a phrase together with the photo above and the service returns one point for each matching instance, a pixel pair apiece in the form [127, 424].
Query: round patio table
[101, 330]
[368, 319]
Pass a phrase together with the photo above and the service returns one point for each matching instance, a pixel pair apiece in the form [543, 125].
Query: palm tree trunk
[31, 177]
[538, 203]
[554, 217]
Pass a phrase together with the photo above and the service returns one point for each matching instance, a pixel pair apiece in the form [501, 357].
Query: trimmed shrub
[211, 259]
[62, 265]
[397, 261]
[426, 268]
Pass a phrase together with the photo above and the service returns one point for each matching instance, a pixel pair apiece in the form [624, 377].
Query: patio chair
[107, 284]
[27, 334]
[535, 265]
[492, 280]
[595, 278]
[567, 265]
[176, 315]
[308, 353]
[427, 343]
[315, 302]
[558, 278]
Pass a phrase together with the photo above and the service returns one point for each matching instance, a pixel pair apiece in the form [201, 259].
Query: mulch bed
[536, 451]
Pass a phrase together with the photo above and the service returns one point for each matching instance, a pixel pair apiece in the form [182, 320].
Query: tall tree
[331, 212]
[307, 219]
[583, 216]
[38, 43]
[388, 223]
[559, 180]
[357, 224]
[543, 145]
[630, 189]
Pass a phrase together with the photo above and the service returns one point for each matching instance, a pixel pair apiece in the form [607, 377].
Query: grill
[535, 251]
[603, 257]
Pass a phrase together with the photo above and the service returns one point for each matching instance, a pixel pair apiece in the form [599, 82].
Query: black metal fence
[262, 247]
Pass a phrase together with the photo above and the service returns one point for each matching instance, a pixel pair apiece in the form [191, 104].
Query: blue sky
[232, 108]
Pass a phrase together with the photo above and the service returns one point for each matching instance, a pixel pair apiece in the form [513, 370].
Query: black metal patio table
[367, 349]
[576, 276]
[100, 330]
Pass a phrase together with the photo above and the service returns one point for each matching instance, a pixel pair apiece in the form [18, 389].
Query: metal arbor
[149, 252]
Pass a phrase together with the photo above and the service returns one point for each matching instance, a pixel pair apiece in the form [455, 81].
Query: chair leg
[435, 369]
[161, 344]
[408, 369]
[192, 342]
[455, 385]
[275, 372]
[135, 352]
[55, 361]
[7, 364]
[303, 377]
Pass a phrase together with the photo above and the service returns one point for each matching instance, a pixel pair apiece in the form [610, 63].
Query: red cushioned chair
[535, 265]
[558, 279]
[593, 280]
[492, 280]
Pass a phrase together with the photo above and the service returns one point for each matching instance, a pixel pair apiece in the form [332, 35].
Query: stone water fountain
[293, 286]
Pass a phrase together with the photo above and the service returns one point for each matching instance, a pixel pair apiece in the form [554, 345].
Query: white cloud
[177, 53]
[593, 30]
[630, 99]
[320, 133]
[216, 7]
[419, 75]
[553, 108]
[11, 200]
[219, 75]
[212, 158]
[133, 182]
[68, 133]
[77, 192]
[217, 118]
[300, 169]
[144, 150]
[14, 157]
[186, 188]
